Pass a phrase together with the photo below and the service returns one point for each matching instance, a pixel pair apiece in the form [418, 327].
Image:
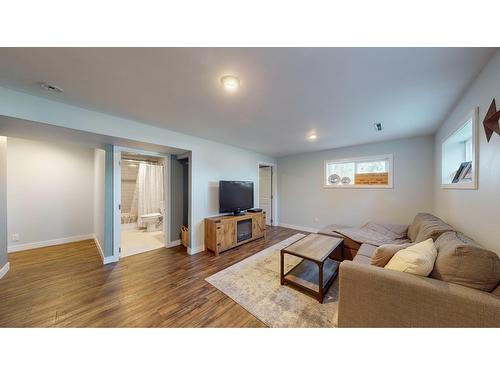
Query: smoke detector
[378, 126]
[52, 88]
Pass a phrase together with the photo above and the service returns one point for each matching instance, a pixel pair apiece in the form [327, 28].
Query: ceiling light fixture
[230, 83]
[312, 137]
[51, 88]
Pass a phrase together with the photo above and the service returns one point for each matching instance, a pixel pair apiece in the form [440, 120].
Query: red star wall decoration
[490, 121]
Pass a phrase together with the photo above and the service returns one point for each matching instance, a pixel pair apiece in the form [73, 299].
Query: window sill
[357, 186]
[471, 186]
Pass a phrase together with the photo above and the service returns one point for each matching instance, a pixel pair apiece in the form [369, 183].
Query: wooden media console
[227, 231]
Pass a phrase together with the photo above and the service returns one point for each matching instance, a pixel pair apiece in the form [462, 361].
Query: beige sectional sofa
[462, 290]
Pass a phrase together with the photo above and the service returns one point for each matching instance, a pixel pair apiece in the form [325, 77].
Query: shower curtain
[148, 193]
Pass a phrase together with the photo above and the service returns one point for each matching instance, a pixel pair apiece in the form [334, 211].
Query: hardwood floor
[67, 286]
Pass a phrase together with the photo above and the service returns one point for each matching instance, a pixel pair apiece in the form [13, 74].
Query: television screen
[235, 196]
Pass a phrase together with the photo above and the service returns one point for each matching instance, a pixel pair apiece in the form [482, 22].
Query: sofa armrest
[371, 296]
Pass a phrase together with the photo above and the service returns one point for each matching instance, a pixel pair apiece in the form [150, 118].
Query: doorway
[142, 202]
[179, 199]
[105, 220]
[266, 192]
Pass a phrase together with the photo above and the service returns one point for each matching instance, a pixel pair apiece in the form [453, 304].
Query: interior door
[265, 192]
[117, 203]
[167, 215]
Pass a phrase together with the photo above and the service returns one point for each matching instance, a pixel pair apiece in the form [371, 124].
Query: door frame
[274, 189]
[117, 195]
[191, 251]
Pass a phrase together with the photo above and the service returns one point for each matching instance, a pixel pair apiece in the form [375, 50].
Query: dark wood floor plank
[67, 286]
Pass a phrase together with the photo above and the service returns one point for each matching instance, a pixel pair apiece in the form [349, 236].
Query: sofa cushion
[361, 259]
[367, 250]
[462, 261]
[425, 226]
[432, 229]
[417, 259]
[415, 225]
[383, 254]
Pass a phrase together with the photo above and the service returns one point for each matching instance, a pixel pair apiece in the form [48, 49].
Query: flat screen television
[235, 196]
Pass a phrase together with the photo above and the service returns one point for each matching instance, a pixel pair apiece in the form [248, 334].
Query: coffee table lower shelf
[312, 277]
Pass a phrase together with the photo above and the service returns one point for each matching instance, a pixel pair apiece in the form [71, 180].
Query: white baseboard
[57, 241]
[98, 245]
[4, 270]
[174, 243]
[298, 227]
[192, 251]
[110, 259]
[105, 260]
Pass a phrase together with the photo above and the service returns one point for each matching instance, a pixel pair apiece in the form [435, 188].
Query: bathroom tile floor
[135, 241]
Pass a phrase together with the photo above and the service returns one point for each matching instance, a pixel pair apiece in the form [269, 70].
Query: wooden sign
[371, 178]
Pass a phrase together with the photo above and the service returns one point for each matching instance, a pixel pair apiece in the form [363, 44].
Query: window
[365, 172]
[458, 155]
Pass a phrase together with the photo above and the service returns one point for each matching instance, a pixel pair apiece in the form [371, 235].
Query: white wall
[304, 202]
[474, 212]
[210, 161]
[99, 188]
[50, 191]
[3, 203]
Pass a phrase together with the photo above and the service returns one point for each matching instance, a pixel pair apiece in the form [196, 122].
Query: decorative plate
[334, 179]
[346, 180]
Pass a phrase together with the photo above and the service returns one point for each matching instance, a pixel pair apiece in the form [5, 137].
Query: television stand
[228, 231]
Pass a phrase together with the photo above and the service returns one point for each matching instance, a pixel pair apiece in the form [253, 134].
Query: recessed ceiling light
[230, 83]
[312, 137]
[52, 88]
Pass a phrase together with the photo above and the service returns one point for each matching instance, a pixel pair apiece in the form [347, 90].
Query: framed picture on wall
[462, 171]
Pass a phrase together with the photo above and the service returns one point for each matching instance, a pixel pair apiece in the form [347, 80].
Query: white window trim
[474, 114]
[361, 159]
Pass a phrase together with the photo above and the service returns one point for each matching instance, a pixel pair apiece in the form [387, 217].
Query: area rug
[254, 283]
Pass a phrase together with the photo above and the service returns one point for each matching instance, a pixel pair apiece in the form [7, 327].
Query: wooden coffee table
[316, 272]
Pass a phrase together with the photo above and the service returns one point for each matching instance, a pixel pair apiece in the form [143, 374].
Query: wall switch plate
[15, 237]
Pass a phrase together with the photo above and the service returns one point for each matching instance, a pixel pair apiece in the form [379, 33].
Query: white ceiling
[285, 94]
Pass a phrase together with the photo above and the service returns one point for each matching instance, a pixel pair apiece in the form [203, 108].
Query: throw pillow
[417, 259]
[462, 261]
[383, 254]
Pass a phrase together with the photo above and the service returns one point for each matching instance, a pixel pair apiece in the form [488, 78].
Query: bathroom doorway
[142, 204]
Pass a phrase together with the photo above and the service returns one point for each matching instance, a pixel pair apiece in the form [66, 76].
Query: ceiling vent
[378, 126]
[51, 88]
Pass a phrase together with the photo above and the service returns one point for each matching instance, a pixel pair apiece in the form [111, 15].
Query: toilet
[151, 221]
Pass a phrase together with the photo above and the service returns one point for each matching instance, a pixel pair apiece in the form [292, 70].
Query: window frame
[473, 185]
[390, 170]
